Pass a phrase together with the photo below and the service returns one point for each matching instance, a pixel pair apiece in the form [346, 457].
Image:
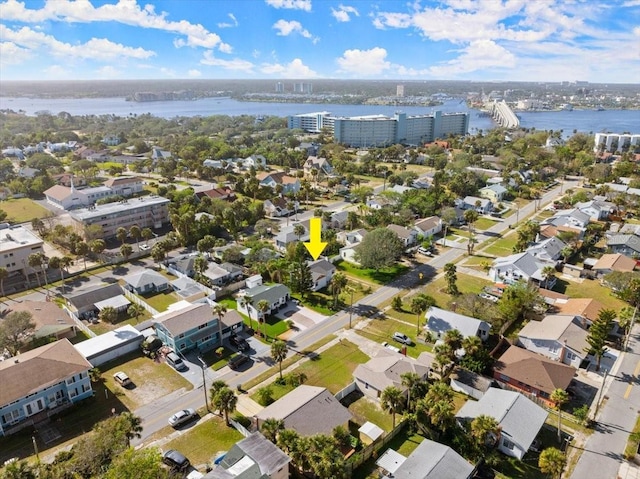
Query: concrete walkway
[629, 470]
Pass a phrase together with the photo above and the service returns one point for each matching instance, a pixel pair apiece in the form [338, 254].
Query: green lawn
[465, 283]
[23, 209]
[501, 247]
[160, 301]
[381, 330]
[318, 302]
[275, 326]
[483, 224]
[202, 442]
[382, 276]
[590, 289]
[366, 409]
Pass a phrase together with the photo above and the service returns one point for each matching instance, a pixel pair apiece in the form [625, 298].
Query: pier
[503, 115]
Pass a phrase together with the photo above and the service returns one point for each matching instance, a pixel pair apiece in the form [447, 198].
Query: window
[504, 378]
[202, 326]
[508, 444]
[11, 416]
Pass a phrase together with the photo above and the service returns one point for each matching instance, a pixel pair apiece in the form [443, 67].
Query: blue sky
[519, 40]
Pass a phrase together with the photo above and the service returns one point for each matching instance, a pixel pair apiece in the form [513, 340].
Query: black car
[239, 342]
[175, 460]
[238, 360]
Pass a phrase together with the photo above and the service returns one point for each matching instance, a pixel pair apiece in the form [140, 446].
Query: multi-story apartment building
[381, 130]
[16, 244]
[613, 142]
[146, 212]
[70, 197]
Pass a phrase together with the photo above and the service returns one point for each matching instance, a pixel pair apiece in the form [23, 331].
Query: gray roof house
[432, 460]
[276, 294]
[520, 418]
[406, 235]
[383, 371]
[520, 266]
[428, 226]
[183, 264]
[549, 249]
[84, 302]
[439, 321]
[482, 205]
[255, 457]
[308, 410]
[146, 281]
[628, 245]
[322, 272]
[469, 383]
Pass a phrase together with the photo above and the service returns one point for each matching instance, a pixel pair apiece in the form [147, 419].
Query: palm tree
[121, 235]
[125, 251]
[136, 233]
[419, 304]
[279, 352]
[450, 275]
[391, 399]
[108, 314]
[4, 274]
[82, 249]
[552, 461]
[133, 426]
[216, 386]
[337, 284]
[453, 339]
[299, 231]
[219, 310]
[548, 273]
[245, 301]
[471, 345]
[200, 264]
[35, 261]
[98, 246]
[485, 430]
[263, 306]
[441, 414]
[135, 310]
[559, 397]
[410, 380]
[271, 428]
[146, 234]
[225, 401]
[470, 216]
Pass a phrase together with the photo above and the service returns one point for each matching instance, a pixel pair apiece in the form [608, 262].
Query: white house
[430, 226]
[380, 372]
[276, 295]
[322, 272]
[351, 239]
[495, 193]
[598, 210]
[482, 205]
[439, 321]
[408, 236]
[520, 266]
[549, 249]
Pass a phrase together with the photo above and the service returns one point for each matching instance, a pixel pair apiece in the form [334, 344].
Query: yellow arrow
[315, 246]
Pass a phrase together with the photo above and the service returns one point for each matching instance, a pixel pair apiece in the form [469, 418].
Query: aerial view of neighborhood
[363, 272]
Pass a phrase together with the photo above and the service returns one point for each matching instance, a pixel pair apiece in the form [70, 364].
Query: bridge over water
[502, 114]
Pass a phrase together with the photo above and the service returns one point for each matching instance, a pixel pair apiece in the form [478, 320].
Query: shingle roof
[308, 410]
[58, 192]
[557, 328]
[432, 460]
[584, 307]
[94, 295]
[38, 369]
[534, 369]
[44, 313]
[268, 456]
[122, 180]
[474, 380]
[144, 277]
[615, 262]
[384, 371]
[269, 292]
[519, 417]
[185, 319]
[442, 321]
[401, 231]
[429, 223]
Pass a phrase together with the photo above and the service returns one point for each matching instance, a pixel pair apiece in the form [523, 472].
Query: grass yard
[160, 301]
[275, 326]
[21, 210]
[590, 289]
[151, 380]
[502, 246]
[466, 284]
[483, 224]
[381, 330]
[366, 409]
[202, 442]
[383, 276]
[102, 327]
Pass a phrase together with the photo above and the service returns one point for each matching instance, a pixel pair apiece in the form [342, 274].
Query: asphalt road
[154, 416]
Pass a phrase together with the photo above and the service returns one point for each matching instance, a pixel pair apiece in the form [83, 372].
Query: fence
[340, 395]
[231, 288]
[135, 299]
[373, 449]
[79, 323]
[241, 429]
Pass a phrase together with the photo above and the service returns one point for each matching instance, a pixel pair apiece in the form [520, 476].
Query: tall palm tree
[485, 430]
[136, 233]
[441, 414]
[245, 301]
[410, 380]
[216, 386]
[121, 235]
[125, 251]
[548, 273]
[419, 304]
[299, 231]
[35, 261]
[133, 426]
[337, 284]
[219, 310]
[559, 397]
[552, 461]
[279, 352]
[471, 345]
[4, 274]
[470, 216]
[225, 401]
[263, 306]
[271, 428]
[391, 400]
[146, 234]
[135, 310]
[82, 249]
[453, 339]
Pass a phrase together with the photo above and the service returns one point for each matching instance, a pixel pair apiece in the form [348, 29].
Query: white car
[402, 338]
[145, 247]
[182, 417]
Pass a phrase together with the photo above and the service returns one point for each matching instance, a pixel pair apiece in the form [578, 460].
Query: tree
[552, 461]
[451, 278]
[131, 426]
[4, 274]
[14, 329]
[410, 380]
[548, 273]
[379, 249]
[108, 314]
[337, 285]
[82, 249]
[135, 310]
[279, 353]
[485, 430]
[470, 216]
[263, 307]
[225, 401]
[98, 246]
[147, 234]
[396, 303]
[299, 231]
[125, 251]
[35, 261]
[391, 400]
[419, 304]
[265, 395]
[18, 470]
[158, 252]
[598, 334]
[271, 427]
[219, 310]
[121, 235]
[301, 278]
[200, 264]
[559, 397]
[137, 464]
[216, 386]
[136, 233]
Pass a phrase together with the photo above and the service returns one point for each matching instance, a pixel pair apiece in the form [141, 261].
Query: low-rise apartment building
[16, 244]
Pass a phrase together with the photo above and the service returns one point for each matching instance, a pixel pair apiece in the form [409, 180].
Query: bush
[396, 303]
[265, 396]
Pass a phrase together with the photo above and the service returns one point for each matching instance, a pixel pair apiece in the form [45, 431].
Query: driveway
[302, 316]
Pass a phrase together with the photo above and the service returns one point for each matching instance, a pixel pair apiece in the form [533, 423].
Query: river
[613, 121]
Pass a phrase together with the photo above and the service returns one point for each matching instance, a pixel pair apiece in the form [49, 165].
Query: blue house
[195, 327]
[41, 382]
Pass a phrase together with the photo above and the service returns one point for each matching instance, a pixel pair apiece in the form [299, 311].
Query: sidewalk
[629, 470]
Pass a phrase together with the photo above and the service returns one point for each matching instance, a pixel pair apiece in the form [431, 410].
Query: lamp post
[204, 382]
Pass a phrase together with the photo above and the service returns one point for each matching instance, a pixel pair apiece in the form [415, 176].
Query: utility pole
[351, 309]
[204, 382]
[633, 321]
[604, 380]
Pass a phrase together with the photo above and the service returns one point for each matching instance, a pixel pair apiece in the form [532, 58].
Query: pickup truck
[238, 360]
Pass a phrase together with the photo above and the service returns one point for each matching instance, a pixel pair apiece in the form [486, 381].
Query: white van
[176, 362]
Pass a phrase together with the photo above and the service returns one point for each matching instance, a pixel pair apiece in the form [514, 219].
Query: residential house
[380, 372]
[276, 295]
[559, 337]
[532, 374]
[586, 310]
[597, 209]
[189, 289]
[194, 326]
[428, 227]
[571, 218]
[483, 206]
[338, 220]
[321, 165]
[494, 193]
[225, 193]
[278, 207]
[628, 245]
[379, 202]
[217, 274]
[83, 303]
[439, 321]
[521, 267]
[609, 263]
[125, 185]
[287, 235]
[549, 249]
[182, 265]
[467, 382]
[65, 179]
[254, 161]
[271, 180]
[49, 319]
[322, 272]
[146, 281]
[519, 418]
[430, 460]
[41, 382]
[400, 189]
[112, 345]
[28, 172]
[408, 236]
[351, 239]
[254, 457]
[308, 410]
[111, 140]
[160, 154]
[13, 153]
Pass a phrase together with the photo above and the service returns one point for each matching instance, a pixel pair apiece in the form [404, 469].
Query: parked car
[238, 360]
[182, 417]
[175, 460]
[176, 362]
[402, 338]
[122, 379]
[239, 342]
[145, 247]
[425, 251]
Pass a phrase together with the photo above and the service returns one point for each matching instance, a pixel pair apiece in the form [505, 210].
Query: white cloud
[54, 72]
[286, 28]
[234, 22]
[364, 62]
[479, 55]
[236, 64]
[107, 72]
[99, 49]
[12, 54]
[294, 69]
[193, 73]
[342, 13]
[631, 3]
[127, 12]
[291, 4]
